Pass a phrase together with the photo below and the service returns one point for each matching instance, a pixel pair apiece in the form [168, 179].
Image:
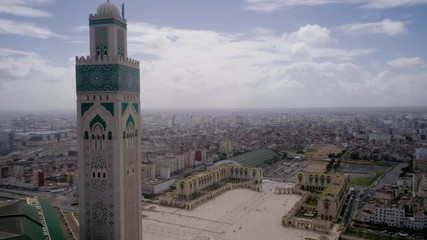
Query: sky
[225, 53]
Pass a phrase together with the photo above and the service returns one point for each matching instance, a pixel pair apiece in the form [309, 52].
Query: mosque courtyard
[236, 214]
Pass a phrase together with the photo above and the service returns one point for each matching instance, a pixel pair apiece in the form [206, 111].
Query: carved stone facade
[291, 218]
[333, 189]
[198, 188]
[108, 122]
[329, 190]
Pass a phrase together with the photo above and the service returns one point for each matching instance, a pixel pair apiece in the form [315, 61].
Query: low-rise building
[333, 187]
[386, 193]
[172, 163]
[156, 186]
[404, 184]
[202, 186]
[391, 215]
[396, 215]
[188, 187]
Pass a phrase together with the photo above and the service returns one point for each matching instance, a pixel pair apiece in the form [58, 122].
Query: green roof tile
[254, 158]
[52, 221]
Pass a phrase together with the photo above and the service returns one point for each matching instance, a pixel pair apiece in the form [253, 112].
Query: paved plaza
[237, 214]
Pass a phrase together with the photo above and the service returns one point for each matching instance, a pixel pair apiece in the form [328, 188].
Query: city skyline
[226, 54]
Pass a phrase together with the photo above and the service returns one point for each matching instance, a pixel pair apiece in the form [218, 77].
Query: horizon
[356, 109]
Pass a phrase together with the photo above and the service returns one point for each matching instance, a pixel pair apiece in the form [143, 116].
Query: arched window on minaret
[98, 52]
[98, 132]
[130, 141]
[105, 51]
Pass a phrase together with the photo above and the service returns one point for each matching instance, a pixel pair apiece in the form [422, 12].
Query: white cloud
[405, 62]
[299, 51]
[24, 66]
[182, 68]
[27, 81]
[274, 5]
[312, 34]
[200, 69]
[387, 26]
[84, 29]
[11, 52]
[26, 29]
[23, 8]
[381, 4]
[262, 31]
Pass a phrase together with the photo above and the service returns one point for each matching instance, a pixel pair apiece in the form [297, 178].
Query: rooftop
[254, 158]
[52, 221]
[19, 220]
[331, 190]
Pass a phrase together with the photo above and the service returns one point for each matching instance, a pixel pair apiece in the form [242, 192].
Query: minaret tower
[108, 123]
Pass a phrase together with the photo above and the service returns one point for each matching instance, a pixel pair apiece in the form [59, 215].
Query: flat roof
[254, 158]
[331, 190]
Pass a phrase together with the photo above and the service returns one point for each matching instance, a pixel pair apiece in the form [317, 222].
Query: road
[352, 205]
[390, 177]
[64, 201]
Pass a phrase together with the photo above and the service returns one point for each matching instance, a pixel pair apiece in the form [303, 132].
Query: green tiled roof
[19, 220]
[52, 221]
[32, 230]
[31, 212]
[254, 158]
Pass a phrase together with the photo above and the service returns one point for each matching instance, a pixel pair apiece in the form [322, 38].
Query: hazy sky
[226, 53]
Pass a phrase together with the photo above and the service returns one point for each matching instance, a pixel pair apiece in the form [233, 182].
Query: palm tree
[300, 178]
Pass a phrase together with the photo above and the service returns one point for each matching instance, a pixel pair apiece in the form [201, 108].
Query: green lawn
[307, 214]
[365, 181]
[312, 202]
[384, 164]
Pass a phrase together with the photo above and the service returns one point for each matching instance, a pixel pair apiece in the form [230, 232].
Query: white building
[169, 164]
[109, 125]
[394, 216]
[417, 222]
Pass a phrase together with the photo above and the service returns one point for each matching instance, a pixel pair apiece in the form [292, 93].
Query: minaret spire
[123, 9]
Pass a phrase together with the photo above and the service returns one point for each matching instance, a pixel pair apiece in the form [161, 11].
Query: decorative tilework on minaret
[108, 122]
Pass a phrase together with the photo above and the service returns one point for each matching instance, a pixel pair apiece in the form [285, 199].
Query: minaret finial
[123, 9]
